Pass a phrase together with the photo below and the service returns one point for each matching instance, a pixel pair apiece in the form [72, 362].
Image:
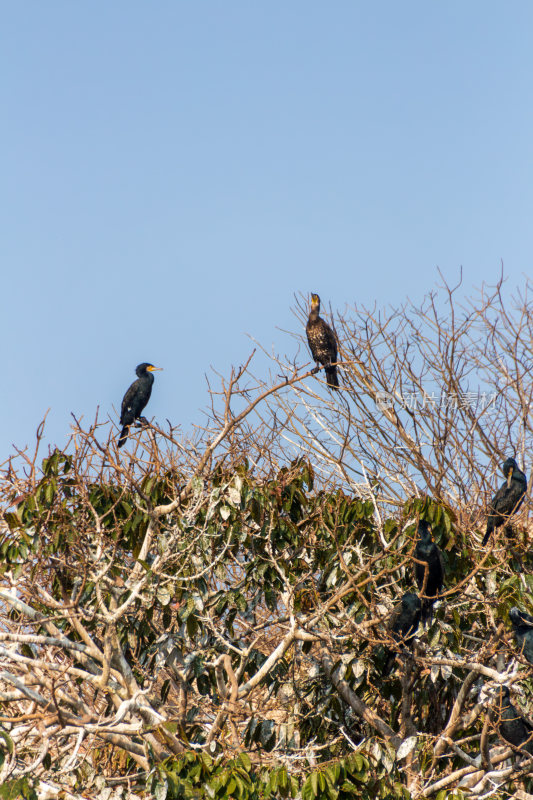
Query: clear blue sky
[174, 171]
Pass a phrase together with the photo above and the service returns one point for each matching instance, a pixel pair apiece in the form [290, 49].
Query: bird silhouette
[512, 726]
[426, 550]
[322, 342]
[507, 499]
[136, 398]
[523, 632]
[403, 625]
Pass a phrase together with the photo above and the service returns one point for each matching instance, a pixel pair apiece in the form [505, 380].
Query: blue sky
[174, 172]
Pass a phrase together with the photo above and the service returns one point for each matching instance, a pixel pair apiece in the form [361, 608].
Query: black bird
[523, 632]
[403, 626]
[136, 398]
[426, 550]
[512, 726]
[322, 342]
[507, 499]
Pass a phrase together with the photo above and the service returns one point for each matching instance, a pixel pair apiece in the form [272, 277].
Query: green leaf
[283, 778]
[350, 788]
[308, 792]
[244, 758]
[49, 493]
[8, 741]
[333, 774]
[13, 520]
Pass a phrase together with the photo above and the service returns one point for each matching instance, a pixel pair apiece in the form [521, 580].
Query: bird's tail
[332, 377]
[490, 528]
[123, 435]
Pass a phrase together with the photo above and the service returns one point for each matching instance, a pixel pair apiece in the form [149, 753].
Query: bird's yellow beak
[315, 299]
[153, 369]
[509, 476]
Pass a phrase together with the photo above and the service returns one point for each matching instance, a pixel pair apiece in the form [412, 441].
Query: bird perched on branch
[507, 499]
[403, 625]
[322, 342]
[426, 550]
[523, 631]
[135, 399]
[512, 726]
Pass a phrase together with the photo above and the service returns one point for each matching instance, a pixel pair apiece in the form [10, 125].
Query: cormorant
[507, 499]
[136, 398]
[426, 550]
[523, 632]
[322, 342]
[511, 724]
[403, 626]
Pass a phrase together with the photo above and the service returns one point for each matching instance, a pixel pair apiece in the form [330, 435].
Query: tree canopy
[208, 615]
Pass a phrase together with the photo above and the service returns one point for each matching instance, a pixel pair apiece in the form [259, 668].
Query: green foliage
[19, 789]
[227, 570]
[197, 775]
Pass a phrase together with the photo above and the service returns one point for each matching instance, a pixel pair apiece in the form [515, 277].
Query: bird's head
[508, 468]
[315, 302]
[502, 697]
[145, 367]
[515, 616]
[424, 531]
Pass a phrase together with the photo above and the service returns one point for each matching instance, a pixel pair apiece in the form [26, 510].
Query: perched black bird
[403, 626]
[426, 550]
[136, 399]
[507, 499]
[322, 342]
[523, 632]
[512, 726]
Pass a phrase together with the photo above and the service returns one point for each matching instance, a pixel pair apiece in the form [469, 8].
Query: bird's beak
[154, 369]
[509, 476]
